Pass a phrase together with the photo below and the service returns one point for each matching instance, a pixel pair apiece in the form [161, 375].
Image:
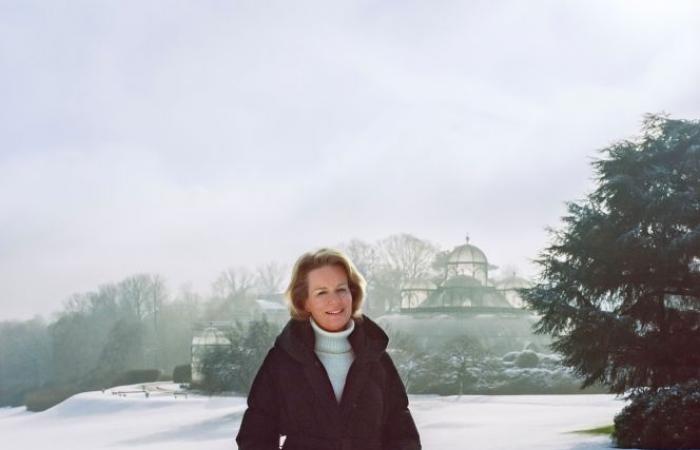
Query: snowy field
[96, 420]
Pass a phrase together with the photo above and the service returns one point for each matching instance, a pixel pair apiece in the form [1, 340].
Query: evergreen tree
[620, 284]
[233, 367]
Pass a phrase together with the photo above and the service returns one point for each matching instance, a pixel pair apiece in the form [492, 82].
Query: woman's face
[329, 301]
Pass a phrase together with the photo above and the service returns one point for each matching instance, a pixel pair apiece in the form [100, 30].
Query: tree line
[137, 323]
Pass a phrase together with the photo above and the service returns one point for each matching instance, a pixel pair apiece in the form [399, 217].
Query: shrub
[13, 396]
[527, 359]
[182, 373]
[233, 367]
[43, 399]
[662, 419]
[136, 376]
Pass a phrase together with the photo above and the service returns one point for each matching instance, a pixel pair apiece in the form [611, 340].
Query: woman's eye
[321, 293]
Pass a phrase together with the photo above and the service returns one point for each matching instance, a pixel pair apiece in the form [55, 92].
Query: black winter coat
[292, 396]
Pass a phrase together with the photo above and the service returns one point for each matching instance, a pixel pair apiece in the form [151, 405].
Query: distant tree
[365, 256]
[24, 359]
[233, 367]
[122, 351]
[402, 258]
[269, 278]
[230, 295]
[134, 294]
[157, 295]
[178, 319]
[439, 264]
[462, 361]
[410, 256]
[233, 283]
[76, 345]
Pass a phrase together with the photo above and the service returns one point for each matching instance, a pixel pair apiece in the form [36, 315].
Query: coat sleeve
[400, 432]
[260, 425]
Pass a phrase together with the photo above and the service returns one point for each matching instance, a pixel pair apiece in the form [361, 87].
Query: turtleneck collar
[332, 342]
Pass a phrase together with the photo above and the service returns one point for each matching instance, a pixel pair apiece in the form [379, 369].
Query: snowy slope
[96, 420]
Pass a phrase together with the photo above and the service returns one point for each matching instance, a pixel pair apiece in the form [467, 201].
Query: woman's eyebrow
[321, 288]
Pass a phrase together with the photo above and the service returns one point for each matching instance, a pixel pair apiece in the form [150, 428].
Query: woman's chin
[334, 323]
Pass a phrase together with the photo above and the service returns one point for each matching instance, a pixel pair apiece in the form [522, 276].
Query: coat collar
[297, 339]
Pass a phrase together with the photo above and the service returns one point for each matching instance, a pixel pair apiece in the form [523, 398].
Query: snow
[97, 420]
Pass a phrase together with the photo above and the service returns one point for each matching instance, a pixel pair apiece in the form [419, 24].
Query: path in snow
[96, 420]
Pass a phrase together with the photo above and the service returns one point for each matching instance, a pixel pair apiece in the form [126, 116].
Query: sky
[186, 137]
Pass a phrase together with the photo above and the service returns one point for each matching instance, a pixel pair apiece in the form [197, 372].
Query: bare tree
[407, 255]
[365, 256]
[135, 293]
[233, 284]
[158, 296]
[269, 277]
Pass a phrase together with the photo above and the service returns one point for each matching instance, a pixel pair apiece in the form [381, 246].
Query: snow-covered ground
[96, 420]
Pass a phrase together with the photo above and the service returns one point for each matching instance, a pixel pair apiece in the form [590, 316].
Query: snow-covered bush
[527, 359]
[464, 366]
[662, 419]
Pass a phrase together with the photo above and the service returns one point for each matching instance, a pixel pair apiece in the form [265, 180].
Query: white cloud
[186, 137]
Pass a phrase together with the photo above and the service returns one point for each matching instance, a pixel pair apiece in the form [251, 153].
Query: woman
[328, 382]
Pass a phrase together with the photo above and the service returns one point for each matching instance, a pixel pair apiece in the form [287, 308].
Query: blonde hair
[298, 290]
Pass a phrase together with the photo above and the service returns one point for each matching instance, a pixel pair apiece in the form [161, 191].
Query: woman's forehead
[325, 276]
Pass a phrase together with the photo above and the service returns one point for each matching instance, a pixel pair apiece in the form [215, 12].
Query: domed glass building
[464, 300]
[203, 341]
[465, 285]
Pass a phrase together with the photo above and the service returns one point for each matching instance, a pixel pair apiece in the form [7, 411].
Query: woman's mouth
[334, 312]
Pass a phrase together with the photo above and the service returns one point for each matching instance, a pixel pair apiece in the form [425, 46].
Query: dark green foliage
[136, 376]
[620, 287]
[42, 399]
[80, 333]
[122, 351]
[11, 396]
[182, 373]
[220, 370]
[661, 419]
[25, 353]
[233, 367]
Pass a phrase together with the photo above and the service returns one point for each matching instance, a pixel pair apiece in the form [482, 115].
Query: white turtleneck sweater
[336, 355]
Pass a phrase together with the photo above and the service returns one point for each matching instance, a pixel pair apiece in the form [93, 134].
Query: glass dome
[470, 261]
[467, 253]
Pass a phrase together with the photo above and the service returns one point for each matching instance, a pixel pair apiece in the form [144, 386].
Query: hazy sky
[184, 137]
